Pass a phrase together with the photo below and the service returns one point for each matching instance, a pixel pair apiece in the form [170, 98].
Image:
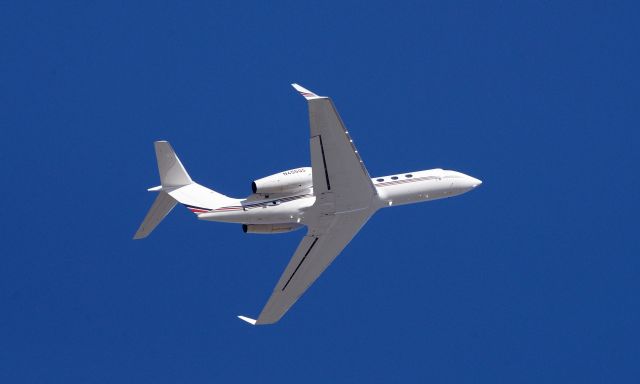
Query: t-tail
[176, 187]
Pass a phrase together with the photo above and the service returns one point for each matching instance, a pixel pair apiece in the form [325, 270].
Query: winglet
[307, 94]
[247, 319]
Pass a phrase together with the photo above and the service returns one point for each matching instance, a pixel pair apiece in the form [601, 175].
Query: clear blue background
[532, 278]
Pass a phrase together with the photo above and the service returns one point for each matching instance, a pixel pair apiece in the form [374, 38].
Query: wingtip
[298, 87]
[307, 94]
[247, 319]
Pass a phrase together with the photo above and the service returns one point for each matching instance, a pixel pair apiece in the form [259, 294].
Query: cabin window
[408, 175]
[380, 180]
[394, 177]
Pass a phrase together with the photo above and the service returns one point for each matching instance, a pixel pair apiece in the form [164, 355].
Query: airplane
[333, 198]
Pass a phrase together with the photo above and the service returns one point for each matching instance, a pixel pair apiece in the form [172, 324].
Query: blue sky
[531, 278]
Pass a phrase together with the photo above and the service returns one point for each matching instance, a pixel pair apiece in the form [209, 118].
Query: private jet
[333, 198]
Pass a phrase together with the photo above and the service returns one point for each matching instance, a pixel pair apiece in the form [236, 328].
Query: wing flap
[320, 174]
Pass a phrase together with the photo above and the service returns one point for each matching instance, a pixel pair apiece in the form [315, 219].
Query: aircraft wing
[338, 170]
[323, 243]
[343, 190]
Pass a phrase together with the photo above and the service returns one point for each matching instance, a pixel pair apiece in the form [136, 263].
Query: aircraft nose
[462, 183]
[466, 183]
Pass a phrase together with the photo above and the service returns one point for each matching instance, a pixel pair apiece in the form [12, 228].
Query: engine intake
[292, 180]
[268, 229]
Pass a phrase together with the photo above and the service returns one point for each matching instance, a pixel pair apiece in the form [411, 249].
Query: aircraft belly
[290, 212]
[413, 193]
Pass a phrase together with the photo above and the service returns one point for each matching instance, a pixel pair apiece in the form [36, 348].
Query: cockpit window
[380, 180]
[394, 177]
[408, 175]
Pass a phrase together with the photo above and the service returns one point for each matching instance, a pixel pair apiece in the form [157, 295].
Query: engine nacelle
[268, 229]
[288, 181]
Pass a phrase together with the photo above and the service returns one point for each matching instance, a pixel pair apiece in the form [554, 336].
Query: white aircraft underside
[333, 198]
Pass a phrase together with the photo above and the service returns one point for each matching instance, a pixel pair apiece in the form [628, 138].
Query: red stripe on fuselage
[196, 210]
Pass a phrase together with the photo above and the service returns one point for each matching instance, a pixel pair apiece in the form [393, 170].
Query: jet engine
[268, 229]
[289, 181]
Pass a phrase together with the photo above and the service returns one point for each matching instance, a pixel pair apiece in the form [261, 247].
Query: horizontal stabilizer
[247, 319]
[160, 208]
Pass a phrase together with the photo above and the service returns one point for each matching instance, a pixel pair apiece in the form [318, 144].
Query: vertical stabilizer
[177, 187]
[172, 172]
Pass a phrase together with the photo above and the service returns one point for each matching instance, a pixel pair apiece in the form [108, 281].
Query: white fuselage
[333, 198]
[400, 189]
